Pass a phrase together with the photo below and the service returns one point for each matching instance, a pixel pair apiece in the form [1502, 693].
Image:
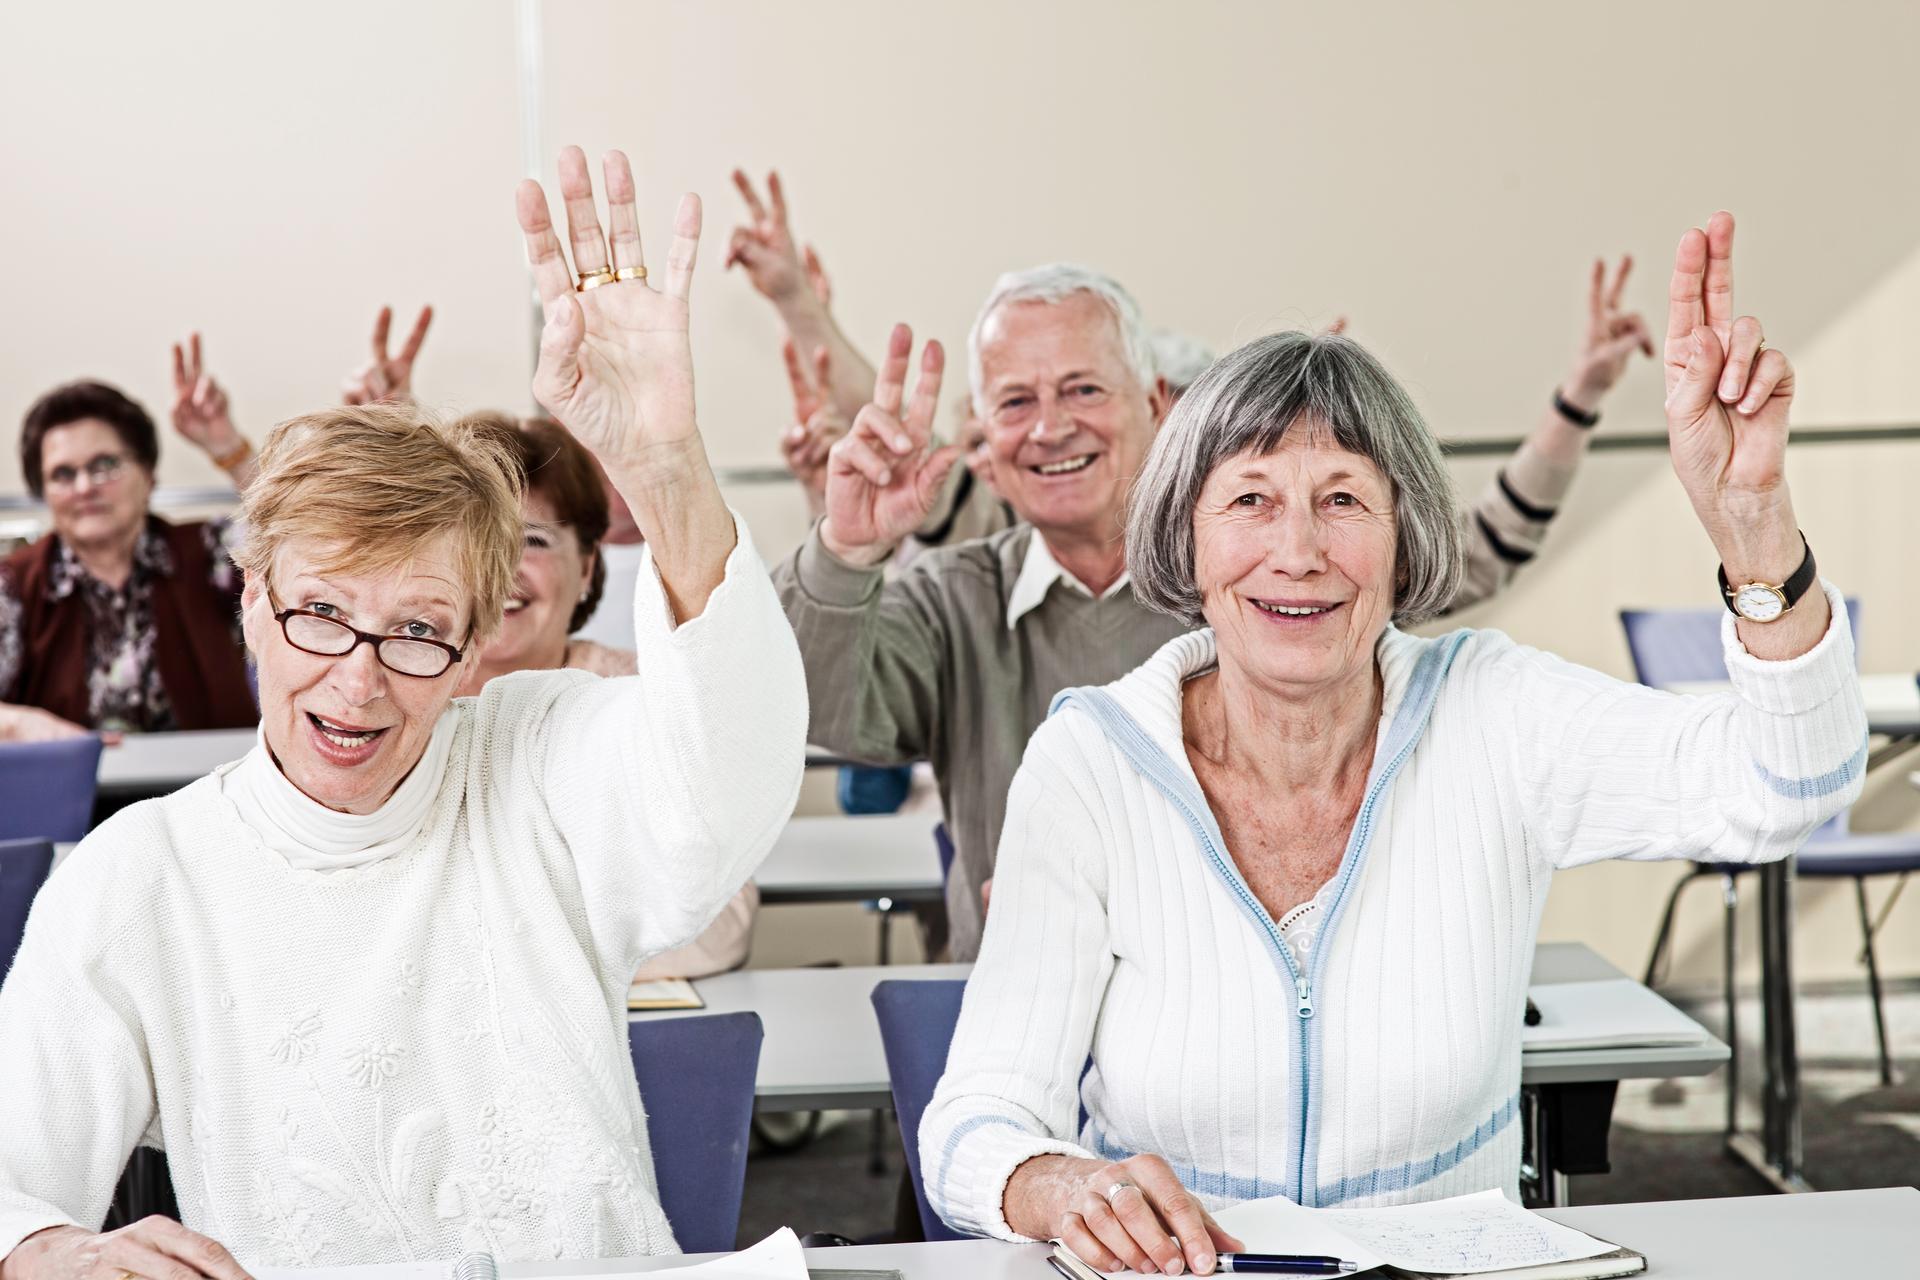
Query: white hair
[1053, 284]
[1181, 358]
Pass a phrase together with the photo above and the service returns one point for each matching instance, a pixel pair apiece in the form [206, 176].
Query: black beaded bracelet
[1585, 419]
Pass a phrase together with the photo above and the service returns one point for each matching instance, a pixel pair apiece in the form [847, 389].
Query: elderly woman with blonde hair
[367, 985]
[1281, 883]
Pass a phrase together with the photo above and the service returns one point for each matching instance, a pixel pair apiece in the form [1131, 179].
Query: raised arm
[1509, 521]
[765, 249]
[616, 369]
[817, 425]
[200, 416]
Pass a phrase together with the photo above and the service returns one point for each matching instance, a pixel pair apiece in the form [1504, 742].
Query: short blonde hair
[376, 484]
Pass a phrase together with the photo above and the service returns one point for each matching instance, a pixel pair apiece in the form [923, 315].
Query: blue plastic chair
[1674, 646]
[24, 865]
[696, 1079]
[46, 788]
[916, 1026]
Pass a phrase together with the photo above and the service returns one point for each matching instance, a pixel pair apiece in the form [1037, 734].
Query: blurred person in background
[118, 620]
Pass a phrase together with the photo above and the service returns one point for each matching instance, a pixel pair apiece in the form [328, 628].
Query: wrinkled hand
[1612, 336]
[385, 377]
[884, 476]
[616, 366]
[1727, 397]
[155, 1248]
[1150, 1223]
[817, 427]
[765, 246]
[200, 404]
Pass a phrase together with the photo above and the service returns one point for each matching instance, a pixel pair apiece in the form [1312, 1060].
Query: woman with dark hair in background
[118, 620]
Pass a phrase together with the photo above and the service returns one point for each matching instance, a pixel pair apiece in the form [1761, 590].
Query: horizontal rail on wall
[175, 498]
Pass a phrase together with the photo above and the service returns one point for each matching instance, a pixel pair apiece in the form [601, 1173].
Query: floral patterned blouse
[124, 690]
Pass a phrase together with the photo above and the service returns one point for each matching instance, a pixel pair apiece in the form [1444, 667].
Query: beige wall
[1441, 173]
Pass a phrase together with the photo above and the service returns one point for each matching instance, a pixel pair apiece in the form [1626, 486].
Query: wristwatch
[1765, 601]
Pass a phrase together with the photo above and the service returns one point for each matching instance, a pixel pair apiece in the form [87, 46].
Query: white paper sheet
[778, 1257]
[1483, 1232]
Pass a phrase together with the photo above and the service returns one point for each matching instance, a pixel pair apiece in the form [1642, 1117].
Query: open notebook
[778, 1257]
[1478, 1235]
[663, 993]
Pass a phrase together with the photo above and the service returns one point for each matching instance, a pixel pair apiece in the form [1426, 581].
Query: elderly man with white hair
[955, 659]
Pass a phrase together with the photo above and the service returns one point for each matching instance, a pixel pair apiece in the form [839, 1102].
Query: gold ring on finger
[1762, 347]
[630, 273]
[593, 279]
[128, 1275]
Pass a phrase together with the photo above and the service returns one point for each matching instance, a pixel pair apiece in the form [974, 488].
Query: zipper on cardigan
[1303, 987]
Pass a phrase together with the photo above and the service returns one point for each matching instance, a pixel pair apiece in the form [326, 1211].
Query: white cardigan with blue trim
[1124, 944]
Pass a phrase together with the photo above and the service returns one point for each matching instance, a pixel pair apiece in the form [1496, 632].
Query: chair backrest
[46, 788]
[696, 1080]
[24, 865]
[916, 1026]
[943, 845]
[1678, 646]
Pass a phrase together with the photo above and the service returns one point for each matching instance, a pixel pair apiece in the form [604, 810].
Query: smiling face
[346, 730]
[552, 578]
[1294, 560]
[86, 512]
[1067, 419]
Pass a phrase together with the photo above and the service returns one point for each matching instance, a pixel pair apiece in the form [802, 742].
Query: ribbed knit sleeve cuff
[827, 579]
[1792, 686]
[972, 1175]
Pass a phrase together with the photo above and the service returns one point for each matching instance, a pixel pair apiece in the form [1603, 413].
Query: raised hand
[817, 427]
[817, 278]
[765, 245]
[884, 477]
[200, 404]
[616, 366]
[616, 369]
[1727, 392]
[385, 377]
[1612, 336]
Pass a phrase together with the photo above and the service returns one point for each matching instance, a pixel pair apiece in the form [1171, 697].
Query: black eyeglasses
[316, 633]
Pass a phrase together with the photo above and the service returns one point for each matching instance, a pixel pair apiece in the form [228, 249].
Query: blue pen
[1284, 1264]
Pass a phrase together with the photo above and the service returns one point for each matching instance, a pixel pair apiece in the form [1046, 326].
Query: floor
[1666, 1136]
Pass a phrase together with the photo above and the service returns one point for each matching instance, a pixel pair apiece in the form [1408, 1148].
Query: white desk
[822, 1049]
[153, 764]
[1866, 1233]
[852, 859]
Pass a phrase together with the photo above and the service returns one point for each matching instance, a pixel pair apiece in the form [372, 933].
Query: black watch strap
[1792, 589]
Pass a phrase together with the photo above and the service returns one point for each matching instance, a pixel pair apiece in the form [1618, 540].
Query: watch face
[1758, 603]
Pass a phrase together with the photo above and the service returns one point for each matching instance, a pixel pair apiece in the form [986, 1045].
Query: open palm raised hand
[1727, 392]
[884, 476]
[616, 367]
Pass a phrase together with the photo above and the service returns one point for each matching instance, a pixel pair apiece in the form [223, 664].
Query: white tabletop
[851, 859]
[1893, 700]
[822, 1049]
[1867, 1233]
[143, 764]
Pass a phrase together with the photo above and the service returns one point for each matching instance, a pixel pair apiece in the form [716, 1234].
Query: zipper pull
[1305, 990]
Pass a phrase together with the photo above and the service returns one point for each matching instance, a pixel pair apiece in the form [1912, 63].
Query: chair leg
[1730, 955]
[1873, 980]
[1665, 935]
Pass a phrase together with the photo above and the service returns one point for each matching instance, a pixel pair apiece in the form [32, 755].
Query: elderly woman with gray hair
[1281, 883]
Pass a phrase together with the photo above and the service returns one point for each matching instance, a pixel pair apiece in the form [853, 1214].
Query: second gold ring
[630, 273]
[593, 279]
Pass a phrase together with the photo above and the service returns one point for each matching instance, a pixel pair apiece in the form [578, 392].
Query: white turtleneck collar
[312, 837]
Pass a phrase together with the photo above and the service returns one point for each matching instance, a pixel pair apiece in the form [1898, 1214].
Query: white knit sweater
[1386, 1070]
[427, 1054]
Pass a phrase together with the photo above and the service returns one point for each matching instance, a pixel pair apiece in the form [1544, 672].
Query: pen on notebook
[1284, 1264]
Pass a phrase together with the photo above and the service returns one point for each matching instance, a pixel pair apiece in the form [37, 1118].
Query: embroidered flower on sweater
[408, 981]
[374, 1064]
[296, 1044]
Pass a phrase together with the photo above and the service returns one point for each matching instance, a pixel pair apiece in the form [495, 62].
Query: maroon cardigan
[201, 664]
